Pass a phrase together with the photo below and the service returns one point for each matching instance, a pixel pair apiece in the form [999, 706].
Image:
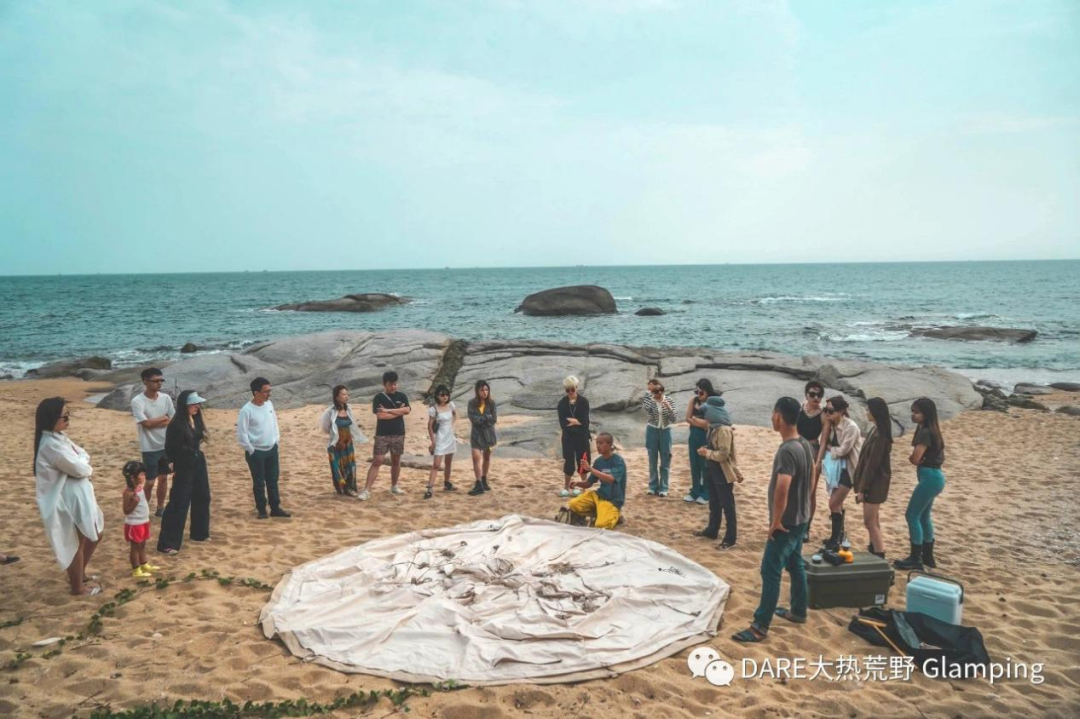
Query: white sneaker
[651, 493]
[576, 492]
[394, 489]
[702, 500]
[363, 495]
[564, 492]
[688, 498]
[663, 494]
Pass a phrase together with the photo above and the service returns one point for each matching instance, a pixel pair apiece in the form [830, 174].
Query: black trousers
[574, 447]
[265, 468]
[721, 503]
[190, 491]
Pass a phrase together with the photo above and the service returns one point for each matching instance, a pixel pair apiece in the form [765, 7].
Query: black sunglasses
[815, 395]
[830, 410]
[159, 380]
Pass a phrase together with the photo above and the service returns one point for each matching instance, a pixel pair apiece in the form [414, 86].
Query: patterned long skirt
[343, 468]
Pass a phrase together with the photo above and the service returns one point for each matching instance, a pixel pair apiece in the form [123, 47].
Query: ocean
[837, 310]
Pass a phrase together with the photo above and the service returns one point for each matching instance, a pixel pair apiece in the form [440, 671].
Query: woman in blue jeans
[699, 431]
[928, 454]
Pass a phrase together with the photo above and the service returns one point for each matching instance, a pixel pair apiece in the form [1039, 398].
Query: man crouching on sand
[607, 501]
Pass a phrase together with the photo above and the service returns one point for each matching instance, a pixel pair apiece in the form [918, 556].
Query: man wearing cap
[257, 432]
[152, 410]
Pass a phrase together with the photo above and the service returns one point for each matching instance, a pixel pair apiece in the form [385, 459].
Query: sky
[223, 136]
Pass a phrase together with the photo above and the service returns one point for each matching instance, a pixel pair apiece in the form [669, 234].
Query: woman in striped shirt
[660, 412]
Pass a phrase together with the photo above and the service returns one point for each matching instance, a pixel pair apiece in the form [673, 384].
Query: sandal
[429, 494]
[785, 613]
[449, 487]
[169, 551]
[749, 636]
[725, 545]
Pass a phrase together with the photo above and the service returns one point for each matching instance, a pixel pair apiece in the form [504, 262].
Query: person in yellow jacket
[722, 472]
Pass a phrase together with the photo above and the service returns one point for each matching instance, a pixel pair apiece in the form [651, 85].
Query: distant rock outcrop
[650, 312]
[189, 348]
[1066, 386]
[1032, 389]
[526, 379]
[84, 367]
[976, 334]
[369, 302]
[575, 300]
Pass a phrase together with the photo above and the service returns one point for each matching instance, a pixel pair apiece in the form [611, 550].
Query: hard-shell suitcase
[863, 583]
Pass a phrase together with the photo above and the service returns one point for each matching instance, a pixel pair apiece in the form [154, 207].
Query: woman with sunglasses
[65, 496]
[191, 483]
[928, 454]
[574, 419]
[843, 445]
[810, 426]
[699, 433]
[440, 427]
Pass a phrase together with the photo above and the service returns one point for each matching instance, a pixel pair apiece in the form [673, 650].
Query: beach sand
[1006, 528]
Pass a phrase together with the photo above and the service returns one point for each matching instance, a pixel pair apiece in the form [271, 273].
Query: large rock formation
[526, 379]
[575, 300]
[84, 367]
[977, 334]
[369, 302]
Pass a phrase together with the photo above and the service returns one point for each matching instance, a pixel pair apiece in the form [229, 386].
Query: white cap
[194, 398]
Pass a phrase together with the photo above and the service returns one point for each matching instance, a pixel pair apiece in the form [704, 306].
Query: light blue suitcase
[935, 595]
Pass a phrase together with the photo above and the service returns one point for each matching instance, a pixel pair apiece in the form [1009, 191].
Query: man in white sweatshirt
[257, 431]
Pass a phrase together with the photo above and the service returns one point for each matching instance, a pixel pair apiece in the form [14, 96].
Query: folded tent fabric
[496, 601]
[925, 639]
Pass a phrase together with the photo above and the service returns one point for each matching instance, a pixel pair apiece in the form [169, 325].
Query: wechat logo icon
[706, 662]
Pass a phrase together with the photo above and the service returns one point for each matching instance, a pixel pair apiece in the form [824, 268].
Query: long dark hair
[333, 397]
[838, 403]
[440, 390]
[45, 419]
[179, 423]
[480, 384]
[706, 385]
[926, 407]
[880, 412]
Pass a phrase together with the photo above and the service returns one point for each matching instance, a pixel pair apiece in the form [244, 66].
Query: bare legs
[76, 571]
[137, 554]
[836, 499]
[872, 521]
[481, 462]
[436, 465]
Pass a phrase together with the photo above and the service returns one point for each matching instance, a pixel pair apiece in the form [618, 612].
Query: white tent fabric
[515, 599]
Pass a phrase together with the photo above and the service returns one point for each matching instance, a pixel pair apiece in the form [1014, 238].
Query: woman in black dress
[191, 483]
[574, 420]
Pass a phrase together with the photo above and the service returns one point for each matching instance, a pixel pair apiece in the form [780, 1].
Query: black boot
[833, 542]
[843, 535]
[477, 489]
[483, 481]
[876, 554]
[928, 554]
[913, 562]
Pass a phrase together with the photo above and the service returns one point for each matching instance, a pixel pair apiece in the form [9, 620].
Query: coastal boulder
[368, 302]
[1031, 389]
[977, 334]
[1066, 386]
[1070, 410]
[189, 348]
[84, 367]
[574, 300]
[650, 312]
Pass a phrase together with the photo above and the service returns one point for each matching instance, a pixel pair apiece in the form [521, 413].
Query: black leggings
[190, 490]
[721, 502]
[574, 447]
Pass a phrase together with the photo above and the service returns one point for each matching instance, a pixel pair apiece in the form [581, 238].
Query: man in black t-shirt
[390, 408]
[789, 511]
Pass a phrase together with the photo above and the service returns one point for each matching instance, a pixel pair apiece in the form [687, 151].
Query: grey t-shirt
[794, 458]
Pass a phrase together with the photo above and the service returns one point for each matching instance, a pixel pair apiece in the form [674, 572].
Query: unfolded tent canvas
[499, 601]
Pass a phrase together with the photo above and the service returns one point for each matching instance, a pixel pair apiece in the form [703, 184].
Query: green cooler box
[863, 583]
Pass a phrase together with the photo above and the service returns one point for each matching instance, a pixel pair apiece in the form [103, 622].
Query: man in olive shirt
[789, 512]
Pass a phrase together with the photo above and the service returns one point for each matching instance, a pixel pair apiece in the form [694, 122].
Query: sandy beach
[1006, 527]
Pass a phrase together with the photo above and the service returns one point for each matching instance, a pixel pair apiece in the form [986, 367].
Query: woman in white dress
[441, 416]
[69, 510]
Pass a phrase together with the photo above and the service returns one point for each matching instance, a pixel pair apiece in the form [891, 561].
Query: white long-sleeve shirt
[257, 427]
[65, 495]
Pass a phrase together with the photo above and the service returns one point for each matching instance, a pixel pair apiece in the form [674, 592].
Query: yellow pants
[607, 514]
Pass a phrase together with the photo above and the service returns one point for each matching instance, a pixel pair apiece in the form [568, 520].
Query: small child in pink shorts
[137, 519]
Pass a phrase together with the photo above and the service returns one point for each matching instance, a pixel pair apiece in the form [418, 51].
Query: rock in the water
[575, 300]
[977, 334]
[1066, 386]
[1025, 402]
[369, 302]
[82, 367]
[1069, 410]
[189, 348]
[1031, 389]
[650, 312]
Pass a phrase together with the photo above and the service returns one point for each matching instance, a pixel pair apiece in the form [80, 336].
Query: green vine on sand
[226, 709]
[96, 624]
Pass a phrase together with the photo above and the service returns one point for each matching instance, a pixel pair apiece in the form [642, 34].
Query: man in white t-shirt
[257, 431]
[152, 410]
